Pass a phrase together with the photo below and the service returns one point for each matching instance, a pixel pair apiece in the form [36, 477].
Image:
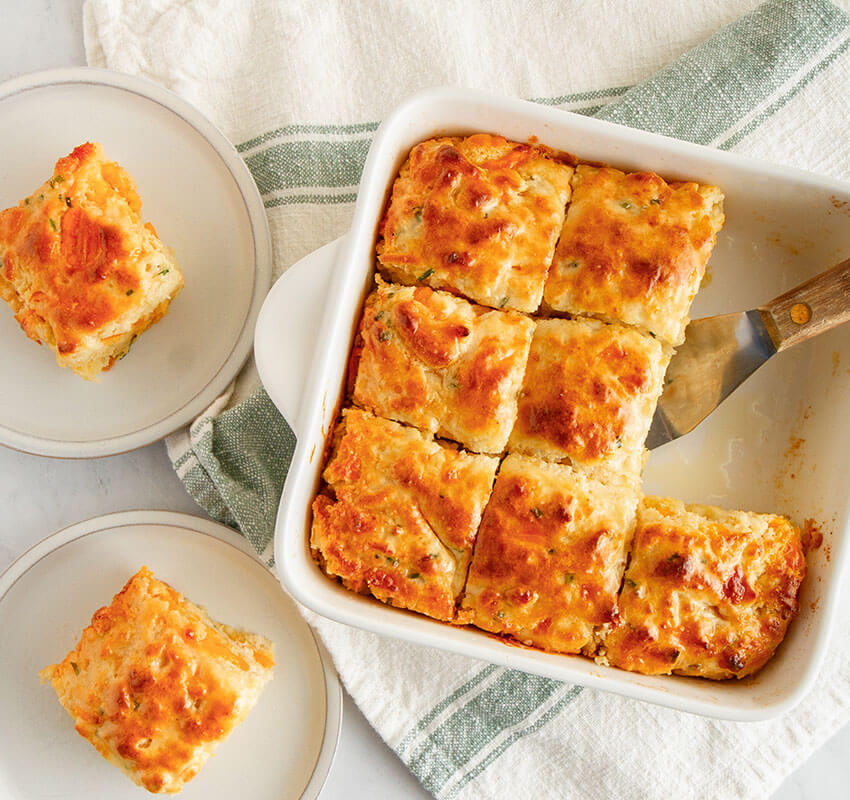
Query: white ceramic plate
[285, 746]
[200, 196]
[777, 445]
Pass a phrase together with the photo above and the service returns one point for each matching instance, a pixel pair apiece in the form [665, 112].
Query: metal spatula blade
[719, 353]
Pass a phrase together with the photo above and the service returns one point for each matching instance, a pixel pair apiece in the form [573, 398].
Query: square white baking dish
[778, 444]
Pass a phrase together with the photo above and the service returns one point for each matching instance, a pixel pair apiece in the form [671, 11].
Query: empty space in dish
[773, 446]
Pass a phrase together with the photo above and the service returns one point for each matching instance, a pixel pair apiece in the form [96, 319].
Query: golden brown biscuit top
[479, 216]
[449, 487]
[153, 682]
[67, 246]
[401, 513]
[588, 394]
[550, 554]
[634, 249]
[438, 362]
[707, 592]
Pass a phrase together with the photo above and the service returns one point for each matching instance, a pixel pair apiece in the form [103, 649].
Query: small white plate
[285, 746]
[200, 196]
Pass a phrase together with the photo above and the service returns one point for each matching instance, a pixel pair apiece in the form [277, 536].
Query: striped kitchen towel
[301, 87]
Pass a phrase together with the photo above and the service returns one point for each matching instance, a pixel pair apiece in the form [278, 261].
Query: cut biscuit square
[154, 684]
[634, 249]
[478, 216]
[399, 513]
[588, 395]
[549, 556]
[707, 592]
[81, 272]
[441, 364]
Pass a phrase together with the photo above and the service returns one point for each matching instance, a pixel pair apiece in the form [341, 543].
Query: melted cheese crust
[550, 555]
[155, 684]
[81, 272]
[441, 364]
[707, 592]
[588, 395]
[634, 248]
[479, 216]
[400, 513]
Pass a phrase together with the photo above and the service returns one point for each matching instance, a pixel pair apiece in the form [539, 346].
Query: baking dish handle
[288, 328]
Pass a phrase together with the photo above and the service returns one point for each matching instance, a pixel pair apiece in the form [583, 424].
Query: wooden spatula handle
[814, 307]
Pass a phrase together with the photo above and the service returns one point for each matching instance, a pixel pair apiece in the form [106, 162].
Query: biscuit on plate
[549, 556]
[634, 248]
[707, 592]
[588, 395]
[478, 216]
[155, 684]
[441, 364]
[398, 516]
[80, 270]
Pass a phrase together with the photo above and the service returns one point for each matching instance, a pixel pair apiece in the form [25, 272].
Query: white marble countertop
[41, 495]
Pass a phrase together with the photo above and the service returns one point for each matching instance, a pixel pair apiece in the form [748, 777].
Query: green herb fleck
[551, 551]
[53, 224]
[675, 655]
[425, 275]
[668, 381]
[503, 302]
[54, 180]
[76, 667]
[573, 264]
[653, 335]
[27, 201]
[414, 575]
[417, 213]
[631, 584]
[379, 316]
[163, 272]
[656, 201]
[619, 442]
[674, 557]
[500, 615]
[129, 292]
[67, 201]
[569, 577]
[392, 561]
[384, 336]
[132, 339]
[41, 198]
[537, 512]
[136, 705]
[453, 384]
[626, 204]
[433, 556]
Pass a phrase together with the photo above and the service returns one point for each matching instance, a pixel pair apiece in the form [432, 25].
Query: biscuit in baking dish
[442, 364]
[549, 555]
[707, 592]
[155, 684]
[479, 216]
[399, 513]
[634, 248]
[80, 270]
[588, 395]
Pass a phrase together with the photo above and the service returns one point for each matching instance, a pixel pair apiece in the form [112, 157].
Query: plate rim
[262, 274]
[103, 523]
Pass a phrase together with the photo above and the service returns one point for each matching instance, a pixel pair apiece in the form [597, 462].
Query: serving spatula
[719, 353]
